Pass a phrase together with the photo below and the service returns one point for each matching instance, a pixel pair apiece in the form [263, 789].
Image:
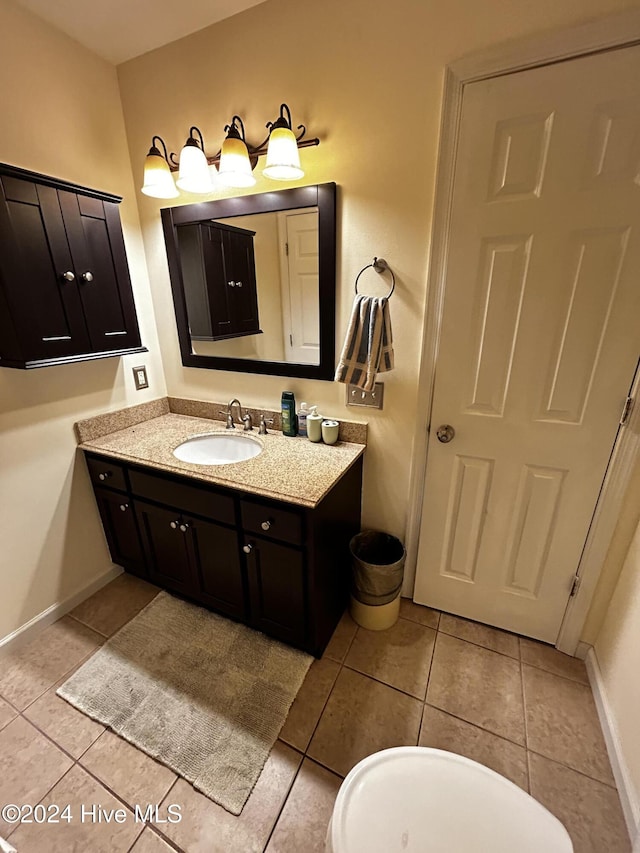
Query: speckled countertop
[290, 469]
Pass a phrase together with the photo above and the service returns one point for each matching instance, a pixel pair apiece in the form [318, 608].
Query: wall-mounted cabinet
[65, 291]
[219, 272]
[281, 568]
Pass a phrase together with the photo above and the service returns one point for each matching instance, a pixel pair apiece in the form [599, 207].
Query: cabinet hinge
[626, 410]
[575, 586]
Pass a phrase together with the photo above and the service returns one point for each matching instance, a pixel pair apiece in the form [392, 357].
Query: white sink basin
[218, 448]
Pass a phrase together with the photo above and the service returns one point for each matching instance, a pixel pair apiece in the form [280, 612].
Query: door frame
[620, 30]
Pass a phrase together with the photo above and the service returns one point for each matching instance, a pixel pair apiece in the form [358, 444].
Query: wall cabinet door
[166, 539]
[121, 530]
[65, 291]
[276, 580]
[219, 275]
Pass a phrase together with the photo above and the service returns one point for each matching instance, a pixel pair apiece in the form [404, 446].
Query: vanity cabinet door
[166, 537]
[276, 580]
[121, 530]
[217, 556]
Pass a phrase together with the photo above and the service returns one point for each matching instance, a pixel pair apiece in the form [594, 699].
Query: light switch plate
[140, 377]
[371, 399]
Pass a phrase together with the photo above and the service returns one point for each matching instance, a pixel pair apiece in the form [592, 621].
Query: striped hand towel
[368, 346]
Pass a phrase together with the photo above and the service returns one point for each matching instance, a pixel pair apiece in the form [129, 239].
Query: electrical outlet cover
[140, 377]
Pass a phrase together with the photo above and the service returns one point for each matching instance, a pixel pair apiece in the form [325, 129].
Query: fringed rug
[203, 695]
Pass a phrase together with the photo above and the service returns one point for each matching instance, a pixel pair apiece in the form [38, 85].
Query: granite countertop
[289, 469]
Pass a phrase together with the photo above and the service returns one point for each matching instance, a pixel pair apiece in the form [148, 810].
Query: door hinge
[626, 410]
[290, 340]
[286, 249]
[575, 586]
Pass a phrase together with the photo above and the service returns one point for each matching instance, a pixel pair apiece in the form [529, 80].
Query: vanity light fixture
[283, 159]
[158, 181]
[235, 169]
[194, 175]
[236, 160]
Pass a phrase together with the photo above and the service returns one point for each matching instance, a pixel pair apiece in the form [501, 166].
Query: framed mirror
[254, 281]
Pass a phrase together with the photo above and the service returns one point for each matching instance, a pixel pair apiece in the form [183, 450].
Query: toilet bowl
[414, 799]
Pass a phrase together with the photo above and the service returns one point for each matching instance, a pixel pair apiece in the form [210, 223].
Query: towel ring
[379, 265]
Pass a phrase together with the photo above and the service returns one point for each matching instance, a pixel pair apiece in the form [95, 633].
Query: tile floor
[515, 705]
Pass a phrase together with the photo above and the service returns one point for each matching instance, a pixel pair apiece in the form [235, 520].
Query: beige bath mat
[203, 695]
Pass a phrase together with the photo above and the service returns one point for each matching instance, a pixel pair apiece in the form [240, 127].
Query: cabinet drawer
[274, 522]
[188, 499]
[106, 472]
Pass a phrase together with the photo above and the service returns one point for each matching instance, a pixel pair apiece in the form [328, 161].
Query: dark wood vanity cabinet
[281, 568]
[65, 291]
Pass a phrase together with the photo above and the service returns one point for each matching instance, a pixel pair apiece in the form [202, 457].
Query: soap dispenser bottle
[314, 425]
[288, 413]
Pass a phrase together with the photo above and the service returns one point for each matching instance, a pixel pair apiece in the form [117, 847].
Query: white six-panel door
[539, 340]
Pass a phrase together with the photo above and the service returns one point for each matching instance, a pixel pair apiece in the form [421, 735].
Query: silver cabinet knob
[445, 433]
[238, 284]
[173, 525]
[87, 276]
[247, 548]
[67, 276]
[104, 475]
[184, 527]
[265, 525]
[124, 507]
[231, 283]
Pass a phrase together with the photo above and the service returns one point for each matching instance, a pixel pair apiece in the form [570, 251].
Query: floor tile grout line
[476, 725]
[172, 844]
[384, 683]
[284, 802]
[326, 701]
[85, 625]
[44, 796]
[64, 675]
[569, 767]
[557, 674]
[50, 739]
[479, 645]
[524, 715]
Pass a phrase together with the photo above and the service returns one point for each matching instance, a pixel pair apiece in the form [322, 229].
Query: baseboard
[25, 632]
[582, 650]
[628, 796]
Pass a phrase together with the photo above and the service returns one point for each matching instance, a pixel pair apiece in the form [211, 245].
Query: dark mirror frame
[322, 196]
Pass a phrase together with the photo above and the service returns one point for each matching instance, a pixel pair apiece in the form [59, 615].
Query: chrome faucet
[245, 419]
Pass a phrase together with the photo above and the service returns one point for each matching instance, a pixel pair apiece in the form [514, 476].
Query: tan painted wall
[363, 80]
[618, 652]
[61, 115]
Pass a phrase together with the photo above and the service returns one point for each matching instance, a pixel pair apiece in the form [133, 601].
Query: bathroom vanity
[280, 565]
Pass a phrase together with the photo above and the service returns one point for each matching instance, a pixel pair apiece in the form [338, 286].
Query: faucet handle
[262, 430]
[229, 417]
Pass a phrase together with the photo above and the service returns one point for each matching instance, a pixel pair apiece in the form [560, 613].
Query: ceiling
[118, 30]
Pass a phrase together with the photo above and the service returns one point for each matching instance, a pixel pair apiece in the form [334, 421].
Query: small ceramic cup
[330, 430]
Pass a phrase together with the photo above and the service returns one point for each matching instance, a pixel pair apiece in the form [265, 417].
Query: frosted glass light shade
[158, 180]
[194, 175]
[235, 167]
[283, 158]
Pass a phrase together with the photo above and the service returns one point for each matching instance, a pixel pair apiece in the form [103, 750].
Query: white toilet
[414, 799]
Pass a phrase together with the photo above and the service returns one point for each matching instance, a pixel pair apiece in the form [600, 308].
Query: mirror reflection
[251, 286]
[253, 280]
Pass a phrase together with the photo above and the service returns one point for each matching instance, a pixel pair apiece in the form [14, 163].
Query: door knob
[445, 433]
[87, 276]
[247, 548]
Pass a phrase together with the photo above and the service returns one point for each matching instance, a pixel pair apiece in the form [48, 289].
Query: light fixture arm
[156, 151]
